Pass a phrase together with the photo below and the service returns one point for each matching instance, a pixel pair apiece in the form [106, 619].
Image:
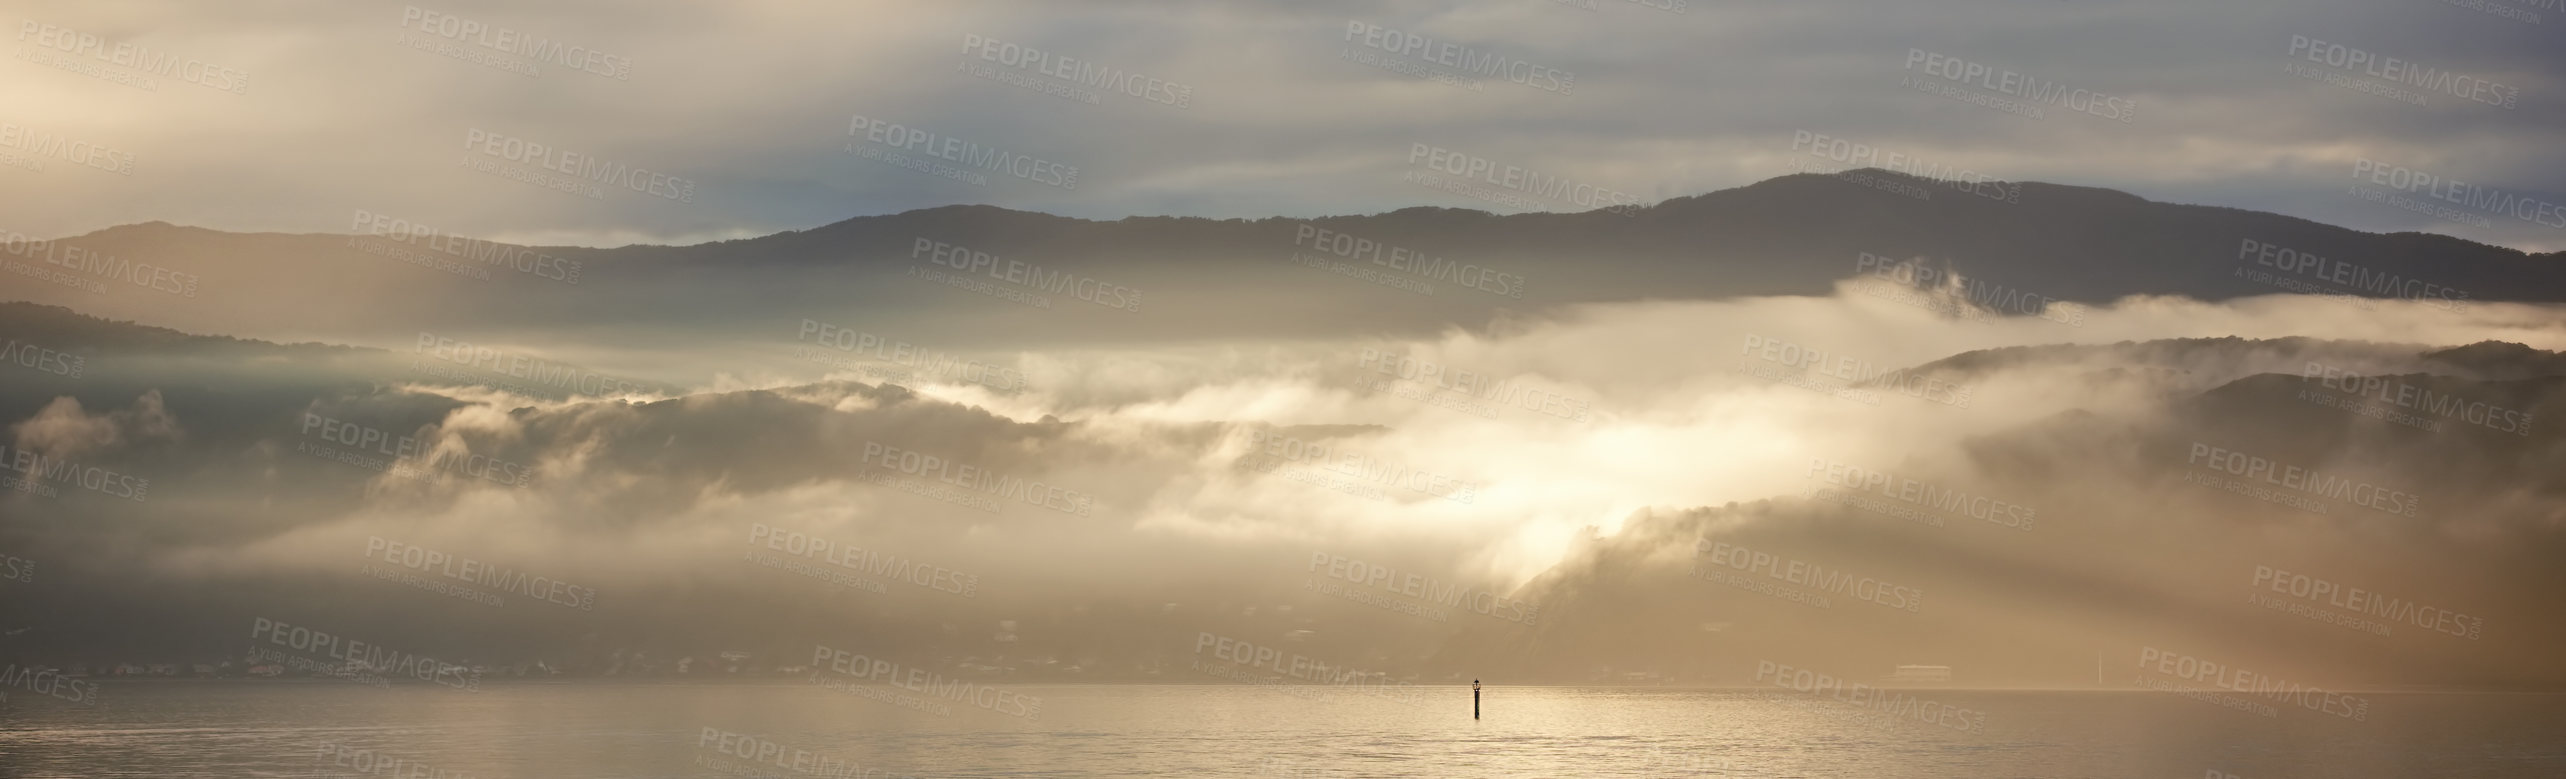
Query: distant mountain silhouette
[1195, 278]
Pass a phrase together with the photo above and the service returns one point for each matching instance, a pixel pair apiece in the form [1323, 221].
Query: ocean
[336, 728]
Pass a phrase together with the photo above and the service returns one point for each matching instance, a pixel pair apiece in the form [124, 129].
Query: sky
[662, 122]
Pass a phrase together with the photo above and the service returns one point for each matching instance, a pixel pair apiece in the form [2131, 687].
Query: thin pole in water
[1474, 699]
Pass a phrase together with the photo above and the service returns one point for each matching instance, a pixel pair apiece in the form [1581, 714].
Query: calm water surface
[572, 731]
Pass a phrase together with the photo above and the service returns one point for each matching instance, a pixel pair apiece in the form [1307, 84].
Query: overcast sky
[288, 116]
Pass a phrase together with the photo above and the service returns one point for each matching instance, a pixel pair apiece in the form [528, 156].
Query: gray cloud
[752, 104]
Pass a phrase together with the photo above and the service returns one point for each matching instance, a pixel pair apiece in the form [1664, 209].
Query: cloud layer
[737, 122]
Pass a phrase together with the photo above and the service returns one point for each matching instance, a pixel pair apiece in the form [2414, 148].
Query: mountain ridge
[994, 278]
[1672, 203]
